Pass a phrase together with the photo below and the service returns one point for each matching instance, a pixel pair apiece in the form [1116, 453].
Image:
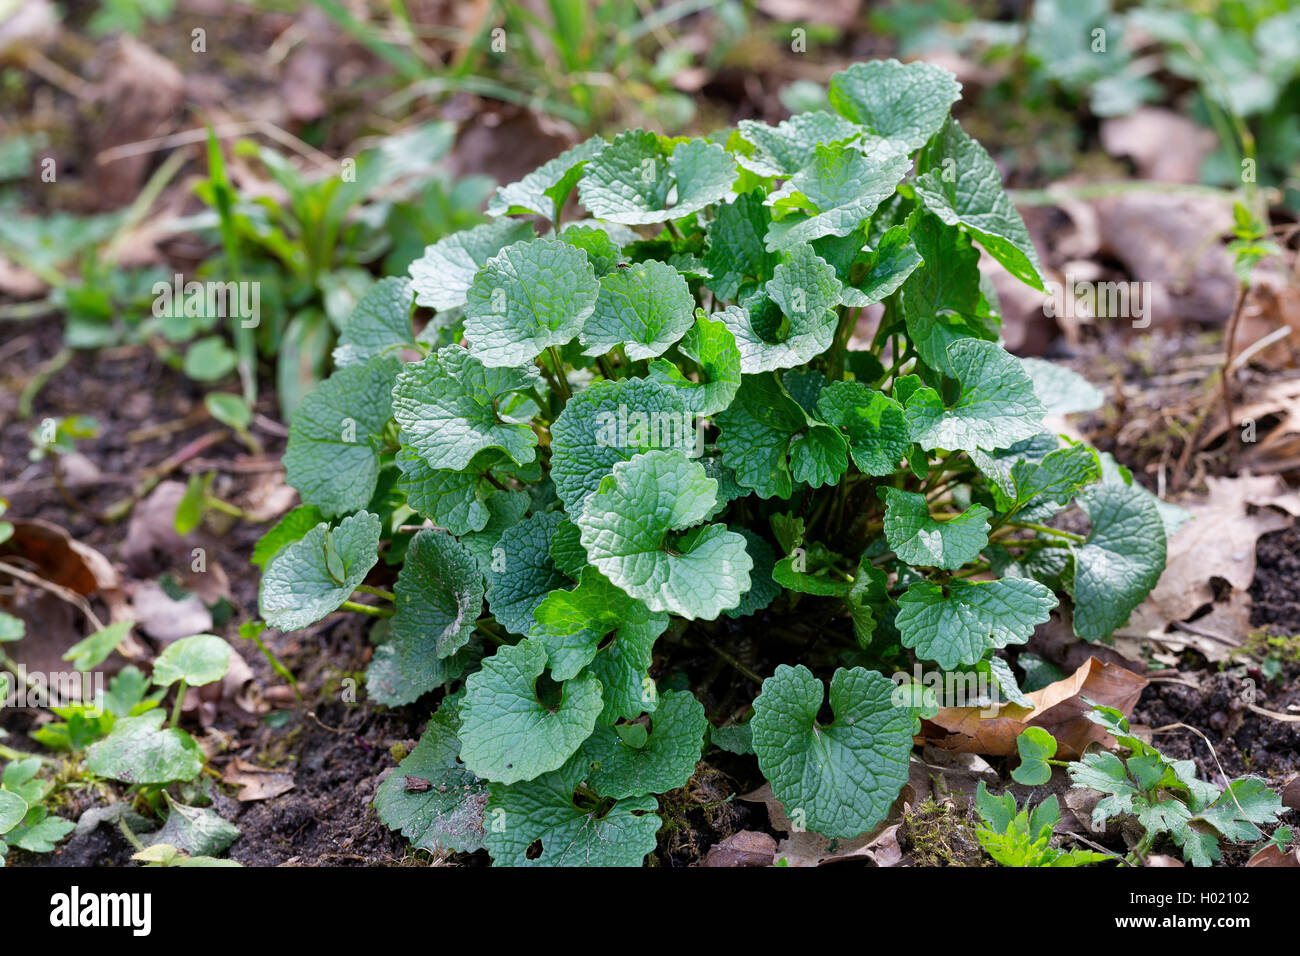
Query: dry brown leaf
[1218, 543]
[1158, 859]
[1058, 708]
[256, 783]
[746, 848]
[805, 848]
[1165, 146]
[1272, 856]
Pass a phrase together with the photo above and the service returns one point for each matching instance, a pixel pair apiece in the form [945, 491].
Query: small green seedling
[1024, 838]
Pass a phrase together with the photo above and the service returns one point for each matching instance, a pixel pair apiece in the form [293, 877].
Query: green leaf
[544, 191]
[231, 410]
[546, 811]
[439, 595]
[872, 421]
[608, 423]
[209, 359]
[960, 184]
[522, 572]
[663, 761]
[737, 254]
[1121, 561]
[332, 457]
[633, 179]
[884, 269]
[602, 251]
[507, 734]
[459, 501]
[788, 147]
[645, 308]
[290, 528]
[959, 623]
[942, 300]
[195, 830]
[763, 589]
[381, 322]
[139, 751]
[1246, 802]
[11, 628]
[1062, 391]
[13, 809]
[770, 442]
[40, 835]
[996, 406]
[833, 195]
[442, 276]
[839, 779]
[1058, 477]
[451, 407]
[571, 624]
[314, 575]
[922, 541]
[793, 320]
[1035, 747]
[908, 103]
[89, 653]
[628, 533]
[197, 660]
[712, 347]
[447, 814]
[530, 296]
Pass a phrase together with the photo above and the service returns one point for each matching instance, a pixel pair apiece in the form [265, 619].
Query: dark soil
[1276, 588]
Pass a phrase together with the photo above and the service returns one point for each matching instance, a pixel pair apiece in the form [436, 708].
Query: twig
[58, 590]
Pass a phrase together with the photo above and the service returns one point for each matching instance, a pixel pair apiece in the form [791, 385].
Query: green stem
[376, 592]
[843, 332]
[606, 369]
[1044, 529]
[181, 688]
[559, 382]
[367, 609]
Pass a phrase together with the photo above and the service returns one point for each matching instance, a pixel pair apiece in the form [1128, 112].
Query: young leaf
[840, 779]
[712, 347]
[737, 256]
[507, 734]
[872, 421]
[198, 660]
[884, 269]
[833, 195]
[664, 761]
[312, 576]
[451, 407]
[908, 103]
[528, 297]
[645, 308]
[629, 534]
[792, 320]
[1035, 746]
[788, 147]
[94, 650]
[921, 541]
[959, 624]
[290, 528]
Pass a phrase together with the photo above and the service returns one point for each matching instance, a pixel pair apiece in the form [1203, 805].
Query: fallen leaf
[746, 848]
[256, 783]
[1161, 860]
[1218, 543]
[1165, 146]
[166, 619]
[1272, 856]
[1059, 708]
